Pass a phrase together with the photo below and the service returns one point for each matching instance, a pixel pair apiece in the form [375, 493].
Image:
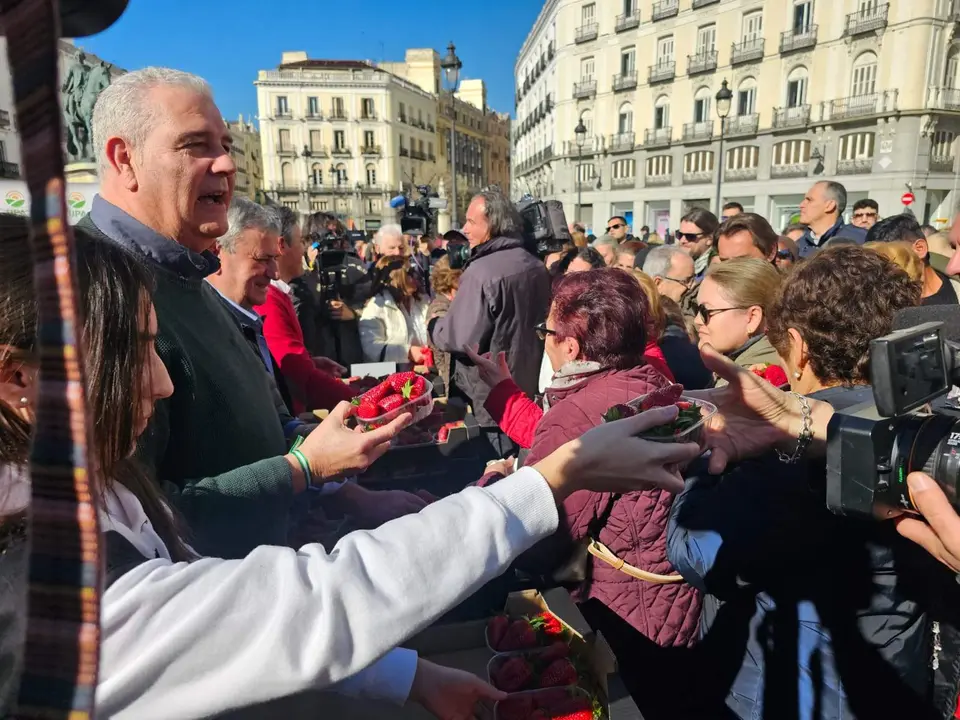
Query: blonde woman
[902, 255]
[393, 326]
[731, 310]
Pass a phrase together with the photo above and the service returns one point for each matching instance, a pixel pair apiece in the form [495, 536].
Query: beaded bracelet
[806, 434]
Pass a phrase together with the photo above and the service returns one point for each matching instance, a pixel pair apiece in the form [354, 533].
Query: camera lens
[931, 445]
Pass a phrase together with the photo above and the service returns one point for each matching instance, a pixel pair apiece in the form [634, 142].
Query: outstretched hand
[450, 694]
[492, 372]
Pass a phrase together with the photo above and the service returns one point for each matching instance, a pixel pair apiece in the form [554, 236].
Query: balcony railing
[940, 98]
[621, 183]
[371, 188]
[697, 178]
[431, 157]
[628, 22]
[622, 142]
[4, 119]
[404, 152]
[282, 114]
[798, 39]
[584, 89]
[370, 150]
[9, 170]
[369, 115]
[401, 118]
[697, 131]
[697, 4]
[702, 62]
[739, 174]
[417, 155]
[954, 11]
[338, 115]
[431, 128]
[867, 20]
[314, 115]
[860, 166]
[941, 164]
[665, 9]
[747, 51]
[341, 151]
[662, 72]
[658, 137]
[315, 151]
[659, 180]
[859, 106]
[625, 81]
[286, 150]
[288, 188]
[742, 125]
[794, 170]
[589, 184]
[587, 32]
[791, 117]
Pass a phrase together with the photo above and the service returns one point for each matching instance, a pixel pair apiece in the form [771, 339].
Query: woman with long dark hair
[191, 637]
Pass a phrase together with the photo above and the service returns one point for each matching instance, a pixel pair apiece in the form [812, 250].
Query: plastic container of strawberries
[542, 696]
[421, 408]
[694, 433]
[493, 665]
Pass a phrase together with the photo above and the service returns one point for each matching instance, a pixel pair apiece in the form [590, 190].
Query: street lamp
[581, 132]
[724, 100]
[451, 79]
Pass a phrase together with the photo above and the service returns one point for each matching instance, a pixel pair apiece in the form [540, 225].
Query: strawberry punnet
[520, 707]
[514, 675]
[519, 636]
[559, 673]
[496, 628]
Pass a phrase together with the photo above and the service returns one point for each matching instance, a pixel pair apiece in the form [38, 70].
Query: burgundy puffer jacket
[636, 526]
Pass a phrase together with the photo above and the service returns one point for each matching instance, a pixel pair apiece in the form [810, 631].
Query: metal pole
[720, 166]
[453, 162]
[579, 190]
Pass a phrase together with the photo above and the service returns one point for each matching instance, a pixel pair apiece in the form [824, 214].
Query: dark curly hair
[840, 300]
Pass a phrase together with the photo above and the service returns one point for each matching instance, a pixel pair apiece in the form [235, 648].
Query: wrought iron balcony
[587, 32]
[369, 115]
[282, 114]
[338, 114]
[698, 131]
[622, 142]
[417, 155]
[4, 119]
[852, 107]
[625, 81]
[286, 151]
[741, 125]
[791, 117]
[584, 89]
[697, 178]
[662, 72]
[370, 150]
[288, 188]
[869, 19]
[371, 188]
[798, 39]
[628, 22]
[941, 164]
[659, 180]
[860, 166]
[697, 4]
[621, 183]
[404, 152]
[794, 170]
[747, 51]
[315, 151]
[658, 137]
[665, 9]
[9, 170]
[702, 62]
[739, 174]
[940, 98]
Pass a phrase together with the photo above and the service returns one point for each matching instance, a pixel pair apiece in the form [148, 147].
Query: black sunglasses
[706, 314]
[615, 227]
[784, 254]
[689, 237]
[542, 331]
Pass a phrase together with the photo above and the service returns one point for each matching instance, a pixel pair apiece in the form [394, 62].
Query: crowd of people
[213, 328]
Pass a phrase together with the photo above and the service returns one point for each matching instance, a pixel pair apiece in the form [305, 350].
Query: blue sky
[227, 43]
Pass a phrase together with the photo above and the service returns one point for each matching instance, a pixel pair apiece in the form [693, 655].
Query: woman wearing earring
[731, 310]
[825, 597]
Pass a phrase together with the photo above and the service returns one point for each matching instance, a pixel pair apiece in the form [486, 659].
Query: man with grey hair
[607, 246]
[822, 212]
[166, 182]
[504, 295]
[672, 270]
[388, 241]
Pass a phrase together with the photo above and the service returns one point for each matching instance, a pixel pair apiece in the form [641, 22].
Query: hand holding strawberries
[450, 694]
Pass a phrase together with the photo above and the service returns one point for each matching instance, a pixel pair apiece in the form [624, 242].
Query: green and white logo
[76, 201]
[15, 199]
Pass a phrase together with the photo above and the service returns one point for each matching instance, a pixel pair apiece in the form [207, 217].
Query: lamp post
[581, 132]
[451, 79]
[724, 100]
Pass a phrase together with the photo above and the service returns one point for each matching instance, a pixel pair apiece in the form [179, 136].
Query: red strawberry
[414, 389]
[581, 714]
[559, 673]
[515, 674]
[366, 409]
[520, 707]
[775, 376]
[428, 358]
[378, 393]
[443, 435]
[684, 405]
[398, 380]
[558, 650]
[496, 628]
[619, 412]
[551, 624]
[391, 402]
[519, 636]
[664, 397]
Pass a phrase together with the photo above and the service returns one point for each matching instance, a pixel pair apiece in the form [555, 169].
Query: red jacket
[312, 389]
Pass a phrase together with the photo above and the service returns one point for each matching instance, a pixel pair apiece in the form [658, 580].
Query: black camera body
[418, 217]
[872, 447]
[544, 225]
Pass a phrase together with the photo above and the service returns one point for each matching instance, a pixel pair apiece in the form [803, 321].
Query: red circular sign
[907, 198]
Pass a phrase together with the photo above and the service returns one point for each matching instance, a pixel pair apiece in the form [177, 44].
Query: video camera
[544, 230]
[331, 260]
[418, 216]
[874, 446]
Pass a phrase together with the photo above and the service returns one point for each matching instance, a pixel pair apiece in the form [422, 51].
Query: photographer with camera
[760, 540]
[504, 294]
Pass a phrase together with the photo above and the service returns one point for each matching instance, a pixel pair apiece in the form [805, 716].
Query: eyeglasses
[785, 255]
[689, 237]
[686, 283]
[542, 331]
[864, 215]
[706, 314]
[614, 227]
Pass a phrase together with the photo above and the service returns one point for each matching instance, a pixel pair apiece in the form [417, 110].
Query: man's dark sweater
[218, 438]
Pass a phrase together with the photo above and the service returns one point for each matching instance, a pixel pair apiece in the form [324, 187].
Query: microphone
[398, 202]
